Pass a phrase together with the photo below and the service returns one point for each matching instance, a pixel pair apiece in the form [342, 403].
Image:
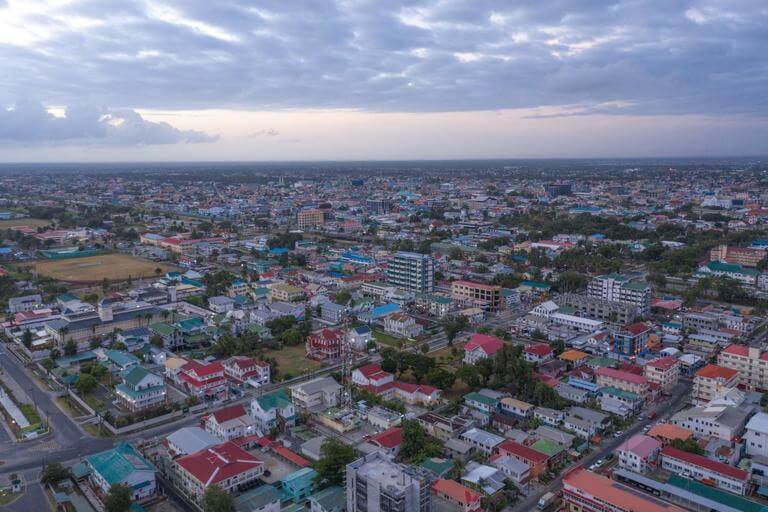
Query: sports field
[91, 269]
[33, 223]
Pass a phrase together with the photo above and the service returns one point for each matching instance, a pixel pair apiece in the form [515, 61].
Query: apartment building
[749, 362]
[664, 371]
[375, 483]
[745, 256]
[225, 465]
[599, 309]
[412, 271]
[310, 219]
[620, 379]
[712, 381]
[487, 295]
[622, 289]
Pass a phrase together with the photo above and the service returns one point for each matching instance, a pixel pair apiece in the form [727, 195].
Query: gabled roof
[117, 464]
[456, 491]
[229, 413]
[538, 349]
[389, 439]
[706, 463]
[216, 463]
[488, 344]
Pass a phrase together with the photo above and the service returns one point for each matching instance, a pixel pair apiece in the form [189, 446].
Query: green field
[33, 223]
[293, 361]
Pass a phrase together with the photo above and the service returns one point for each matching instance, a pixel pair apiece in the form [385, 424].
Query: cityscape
[403, 256]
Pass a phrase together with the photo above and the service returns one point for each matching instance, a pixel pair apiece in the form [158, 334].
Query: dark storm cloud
[584, 56]
[30, 123]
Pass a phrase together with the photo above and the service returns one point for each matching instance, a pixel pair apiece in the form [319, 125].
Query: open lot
[292, 360]
[114, 267]
[33, 223]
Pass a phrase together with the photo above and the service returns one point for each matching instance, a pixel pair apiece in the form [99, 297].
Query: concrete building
[377, 484]
[316, 394]
[412, 271]
[756, 435]
[639, 453]
[622, 289]
[664, 371]
[703, 469]
[487, 295]
[584, 491]
[310, 219]
[750, 362]
[712, 381]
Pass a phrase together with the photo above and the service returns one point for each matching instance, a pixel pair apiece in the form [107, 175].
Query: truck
[547, 500]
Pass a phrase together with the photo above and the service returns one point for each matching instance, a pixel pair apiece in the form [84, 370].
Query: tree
[86, 383]
[453, 326]
[335, 457]
[689, 445]
[118, 498]
[417, 445]
[217, 499]
[26, 338]
[441, 378]
[342, 297]
[70, 348]
[54, 473]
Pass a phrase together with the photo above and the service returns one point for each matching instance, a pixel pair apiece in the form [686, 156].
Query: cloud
[29, 122]
[639, 57]
[265, 132]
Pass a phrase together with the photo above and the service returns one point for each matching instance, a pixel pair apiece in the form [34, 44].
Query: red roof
[373, 371]
[737, 350]
[518, 450]
[389, 439]
[488, 344]
[291, 456]
[201, 369]
[621, 375]
[229, 413]
[456, 491]
[539, 349]
[713, 371]
[704, 462]
[663, 363]
[636, 328]
[216, 463]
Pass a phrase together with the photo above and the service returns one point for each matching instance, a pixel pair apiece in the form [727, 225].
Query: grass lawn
[32, 223]
[96, 268]
[292, 360]
[444, 356]
[388, 339]
[7, 497]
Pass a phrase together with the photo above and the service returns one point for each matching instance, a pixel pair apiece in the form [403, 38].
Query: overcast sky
[356, 79]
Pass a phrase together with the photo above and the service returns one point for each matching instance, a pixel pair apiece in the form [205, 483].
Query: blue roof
[278, 250]
[385, 309]
[362, 329]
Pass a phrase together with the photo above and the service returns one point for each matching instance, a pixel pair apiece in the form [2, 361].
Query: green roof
[277, 399]
[135, 375]
[714, 494]
[438, 466]
[162, 328]
[547, 447]
[117, 464]
[602, 362]
[635, 286]
[627, 395]
[535, 284]
[477, 397]
[121, 358]
[719, 266]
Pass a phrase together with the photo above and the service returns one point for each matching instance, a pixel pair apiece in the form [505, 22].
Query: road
[664, 411]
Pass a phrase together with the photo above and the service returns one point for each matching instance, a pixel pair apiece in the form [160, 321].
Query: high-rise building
[558, 189]
[310, 219]
[485, 295]
[412, 271]
[621, 288]
[375, 483]
[378, 206]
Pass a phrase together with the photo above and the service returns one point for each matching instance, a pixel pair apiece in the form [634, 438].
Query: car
[618, 434]
[599, 462]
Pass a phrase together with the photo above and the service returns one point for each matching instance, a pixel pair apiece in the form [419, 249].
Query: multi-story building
[203, 379]
[664, 371]
[621, 288]
[242, 369]
[584, 491]
[704, 469]
[724, 422]
[325, 344]
[123, 465]
[402, 325]
[599, 309]
[486, 295]
[225, 465]
[631, 339]
[310, 219]
[322, 392]
[745, 256]
[273, 410]
[412, 271]
[712, 381]
[230, 423]
[140, 389]
[481, 346]
[285, 293]
[620, 379]
[749, 362]
[756, 435]
[639, 453]
[375, 483]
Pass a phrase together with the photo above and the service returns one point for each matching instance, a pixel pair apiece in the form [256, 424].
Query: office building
[622, 289]
[412, 271]
[486, 295]
[375, 483]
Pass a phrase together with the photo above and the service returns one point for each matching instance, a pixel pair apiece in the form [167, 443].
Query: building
[190, 440]
[486, 295]
[712, 381]
[746, 256]
[535, 460]
[724, 422]
[225, 465]
[310, 219]
[620, 379]
[599, 309]
[749, 362]
[402, 325]
[299, 485]
[25, 303]
[457, 496]
[584, 422]
[273, 410]
[619, 402]
[243, 369]
[377, 484]
[122, 465]
[481, 346]
[388, 441]
[664, 371]
[744, 275]
[412, 271]
[622, 289]
[325, 344]
[203, 379]
[316, 394]
[140, 389]
[265, 498]
[538, 353]
[756, 435]
[639, 453]
[584, 491]
[285, 293]
[631, 339]
[705, 470]
[230, 423]
[483, 441]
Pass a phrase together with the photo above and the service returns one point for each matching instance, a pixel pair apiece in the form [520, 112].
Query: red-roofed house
[230, 423]
[538, 353]
[536, 460]
[225, 465]
[372, 378]
[481, 346]
[242, 369]
[712, 381]
[371, 375]
[203, 379]
[705, 470]
[325, 344]
[639, 453]
[664, 371]
[388, 441]
[461, 498]
[620, 379]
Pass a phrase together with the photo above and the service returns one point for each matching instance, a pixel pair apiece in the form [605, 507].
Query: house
[140, 389]
[703, 469]
[571, 393]
[584, 422]
[330, 499]
[619, 402]
[325, 344]
[388, 441]
[481, 402]
[332, 312]
[299, 485]
[221, 304]
[481, 346]
[372, 378]
[458, 496]
[402, 325]
[554, 435]
[190, 440]
[711, 381]
[756, 435]
[273, 410]
[484, 441]
[285, 293]
[639, 453]
[664, 371]
[551, 417]
[371, 375]
[319, 393]
[226, 465]
[230, 423]
[242, 369]
[443, 427]
[358, 337]
[485, 478]
[122, 465]
[517, 408]
[265, 498]
[516, 470]
[538, 353]
[535, 460]
[203, 379]
[668, 432]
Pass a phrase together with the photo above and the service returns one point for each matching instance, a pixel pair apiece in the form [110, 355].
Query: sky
[88, 80]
